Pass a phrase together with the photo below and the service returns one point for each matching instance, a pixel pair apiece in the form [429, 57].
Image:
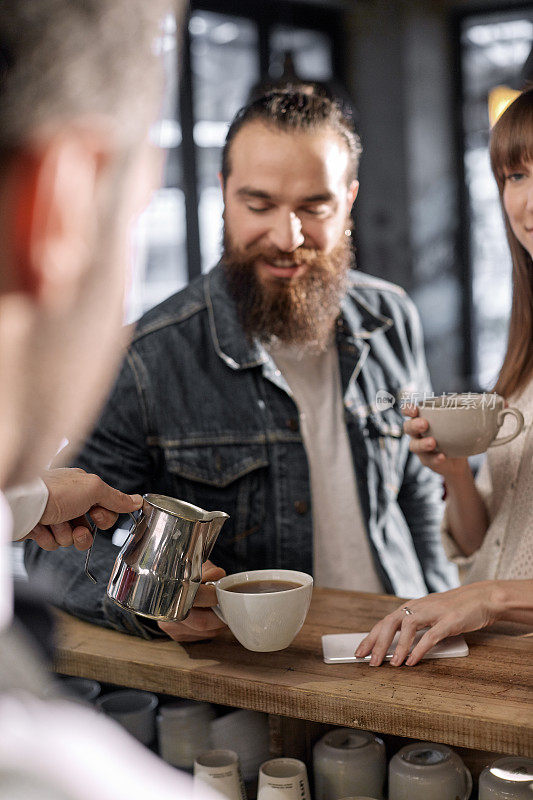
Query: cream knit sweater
[505, 482]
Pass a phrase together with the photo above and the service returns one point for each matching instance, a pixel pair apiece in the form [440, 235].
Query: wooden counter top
[484, 701]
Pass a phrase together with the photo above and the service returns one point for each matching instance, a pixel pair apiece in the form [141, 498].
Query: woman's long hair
[511, 147]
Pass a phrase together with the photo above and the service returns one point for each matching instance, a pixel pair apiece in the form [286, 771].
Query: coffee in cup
[467, 424]
[264, 608]
[263, 586]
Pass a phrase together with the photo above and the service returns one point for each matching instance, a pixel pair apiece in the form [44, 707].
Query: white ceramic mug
[269, 621]
[508, 778]
[133, 709]
[283, 779]
[246, 732]
[183, 731]
[219, 769]
[467, 424]
[346, 761]
[427, 771]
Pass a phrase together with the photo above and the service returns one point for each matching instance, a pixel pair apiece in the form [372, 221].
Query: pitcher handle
[94, 529]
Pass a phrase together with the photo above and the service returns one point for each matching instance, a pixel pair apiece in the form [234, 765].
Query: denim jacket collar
[356, 322]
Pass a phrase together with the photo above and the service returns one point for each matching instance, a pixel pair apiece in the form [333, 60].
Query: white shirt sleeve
[27, 503]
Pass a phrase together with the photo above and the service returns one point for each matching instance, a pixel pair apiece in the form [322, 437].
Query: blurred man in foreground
[79, 86]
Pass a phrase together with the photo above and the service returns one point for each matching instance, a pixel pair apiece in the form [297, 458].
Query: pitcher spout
[215, 523]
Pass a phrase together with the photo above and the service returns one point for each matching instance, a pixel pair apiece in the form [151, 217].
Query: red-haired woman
[488, 525]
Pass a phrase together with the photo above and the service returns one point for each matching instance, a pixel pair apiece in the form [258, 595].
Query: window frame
[465, 266]
[265, 16]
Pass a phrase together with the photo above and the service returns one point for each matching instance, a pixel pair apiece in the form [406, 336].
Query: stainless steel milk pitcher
[159, 568]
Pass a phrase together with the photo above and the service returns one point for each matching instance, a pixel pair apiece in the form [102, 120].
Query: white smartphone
[339, 648]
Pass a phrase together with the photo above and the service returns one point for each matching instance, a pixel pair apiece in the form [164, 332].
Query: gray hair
[62, 59]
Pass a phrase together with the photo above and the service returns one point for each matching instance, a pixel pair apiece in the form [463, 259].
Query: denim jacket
[200, 413]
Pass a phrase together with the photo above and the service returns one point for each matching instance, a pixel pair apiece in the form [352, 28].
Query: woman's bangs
[511, 144]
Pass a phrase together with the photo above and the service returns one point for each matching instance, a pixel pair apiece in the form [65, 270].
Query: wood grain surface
[483, 701]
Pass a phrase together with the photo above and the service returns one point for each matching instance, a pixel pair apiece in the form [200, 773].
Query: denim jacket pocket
[388, 438]
[224, 477]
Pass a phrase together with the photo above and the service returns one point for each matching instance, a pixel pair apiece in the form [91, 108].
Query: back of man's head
[80, 83]
[298, 110]
[62, 59]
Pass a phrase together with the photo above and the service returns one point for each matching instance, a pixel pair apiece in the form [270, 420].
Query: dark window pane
[224, 62]
[310, 50]
[494, 49]
[159, 256]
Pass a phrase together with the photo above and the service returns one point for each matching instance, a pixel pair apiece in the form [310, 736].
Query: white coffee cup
[283, 779]
[427, 771]
[347, 760]
[133, 709]
[507, 778]
[467, 424]
[264, 622]
[246, 732]
[183, 731]
[219, 769]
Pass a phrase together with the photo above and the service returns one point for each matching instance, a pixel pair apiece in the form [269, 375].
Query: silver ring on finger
[406, 610]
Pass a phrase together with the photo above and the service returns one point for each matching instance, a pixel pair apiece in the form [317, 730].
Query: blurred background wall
[417, 76]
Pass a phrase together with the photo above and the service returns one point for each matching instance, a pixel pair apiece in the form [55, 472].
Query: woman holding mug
[488, 524]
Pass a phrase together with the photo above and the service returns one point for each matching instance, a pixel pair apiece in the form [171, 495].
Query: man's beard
[300, 310]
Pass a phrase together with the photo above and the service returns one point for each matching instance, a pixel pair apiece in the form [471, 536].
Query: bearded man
[253, 391]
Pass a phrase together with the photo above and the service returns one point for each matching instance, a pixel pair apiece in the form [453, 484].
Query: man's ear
[221, 181]
[54, 190]
[352, 192]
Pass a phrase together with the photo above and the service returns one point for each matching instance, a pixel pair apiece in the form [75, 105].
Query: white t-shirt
[341, 551]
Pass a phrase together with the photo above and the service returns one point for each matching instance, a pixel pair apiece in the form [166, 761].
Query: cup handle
[519, 425]
[469, 783]
[217, 610]
[94, 530]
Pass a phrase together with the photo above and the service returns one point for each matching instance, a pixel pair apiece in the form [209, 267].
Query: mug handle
[94, 529]
[519, 425]
[216, 609]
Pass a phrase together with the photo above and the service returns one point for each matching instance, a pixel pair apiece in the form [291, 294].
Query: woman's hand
[467, 608]
[425, 446]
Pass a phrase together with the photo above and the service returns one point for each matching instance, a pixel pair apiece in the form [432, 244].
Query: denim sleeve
[116, 451]
[420, 496]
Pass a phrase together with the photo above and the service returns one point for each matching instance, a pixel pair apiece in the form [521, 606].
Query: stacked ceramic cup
[219, 769]
[283, 779]
[133, 709]
[349, 762]
[508, 778]
[83, 690]
[183, 731]
[246, 732]
[428, 771]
